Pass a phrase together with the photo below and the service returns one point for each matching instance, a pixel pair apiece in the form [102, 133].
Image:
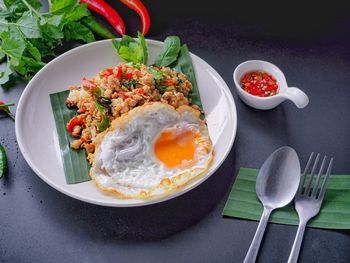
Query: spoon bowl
[278, 178]
[276, 185]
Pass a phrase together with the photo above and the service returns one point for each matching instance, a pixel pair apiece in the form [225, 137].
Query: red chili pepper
[103, 8]
[140, 91]
[137, 73]
[122, 95]
[259, 83]
[128, 75]
[89, 84]
[69, 102]
[141, 10]
[82, 110]
[119, 72]
[169, 82]
[107, 72]
[74, 122]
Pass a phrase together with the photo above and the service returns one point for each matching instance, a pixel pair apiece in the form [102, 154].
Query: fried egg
[152, 150]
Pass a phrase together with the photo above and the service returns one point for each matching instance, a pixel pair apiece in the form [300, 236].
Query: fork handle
[254, 247]
[294, 254]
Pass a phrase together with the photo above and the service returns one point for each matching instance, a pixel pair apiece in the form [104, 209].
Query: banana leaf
[184, 63]
[335, 211]
[75, 164]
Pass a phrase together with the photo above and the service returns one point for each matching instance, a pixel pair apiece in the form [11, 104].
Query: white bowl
[284, 92]
[36, 132]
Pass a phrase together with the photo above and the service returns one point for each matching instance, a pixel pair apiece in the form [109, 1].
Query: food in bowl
[259, 83]
[116, 91]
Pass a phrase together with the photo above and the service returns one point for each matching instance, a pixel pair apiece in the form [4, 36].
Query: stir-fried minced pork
[115, 91]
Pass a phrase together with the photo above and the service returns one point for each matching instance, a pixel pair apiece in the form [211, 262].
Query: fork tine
[303, 176]
[325, 181]
[308, 186]
[315, 190]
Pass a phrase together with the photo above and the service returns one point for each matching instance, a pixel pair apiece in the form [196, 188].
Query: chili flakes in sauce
[259, 83]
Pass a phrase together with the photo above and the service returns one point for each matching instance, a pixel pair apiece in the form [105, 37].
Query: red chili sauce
[259, 83]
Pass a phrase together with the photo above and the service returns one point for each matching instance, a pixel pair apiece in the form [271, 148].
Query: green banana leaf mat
[335, 211]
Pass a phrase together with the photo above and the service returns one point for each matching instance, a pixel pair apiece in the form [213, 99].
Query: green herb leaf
[169, 53]
[34, 51]
[77, 13]
[3, 25]
[5, 75]
[52, 32]
[29, 25]
[162, 89]
[157, 74]
[184, 63]
[144, 47]
[104, 122]
[17, 6]
[51, 19]
[61, 6]
[35, 4]
[103, 101]
[12, 44]
[130, 83]
[2, 55]
[130, 50]
[77, 31]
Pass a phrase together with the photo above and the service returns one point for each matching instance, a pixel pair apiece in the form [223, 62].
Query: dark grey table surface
[311, 44]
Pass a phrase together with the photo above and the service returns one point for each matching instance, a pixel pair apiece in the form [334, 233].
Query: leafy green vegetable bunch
[28, 37]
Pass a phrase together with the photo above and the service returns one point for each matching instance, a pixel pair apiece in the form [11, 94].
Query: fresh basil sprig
[169, 53]
[131, 50]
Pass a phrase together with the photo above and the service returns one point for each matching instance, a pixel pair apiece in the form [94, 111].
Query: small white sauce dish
[284, 92]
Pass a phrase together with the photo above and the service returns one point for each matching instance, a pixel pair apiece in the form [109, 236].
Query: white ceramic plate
[36, 131]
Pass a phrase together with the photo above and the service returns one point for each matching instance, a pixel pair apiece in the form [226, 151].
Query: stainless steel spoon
[276, 185]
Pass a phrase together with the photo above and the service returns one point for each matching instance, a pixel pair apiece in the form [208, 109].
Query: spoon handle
[254, 247]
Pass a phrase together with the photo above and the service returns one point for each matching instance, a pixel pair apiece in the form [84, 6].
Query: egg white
[125, 163]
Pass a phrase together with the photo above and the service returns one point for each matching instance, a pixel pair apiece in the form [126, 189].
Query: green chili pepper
[104, 122]
[96, 27]
[3, 161]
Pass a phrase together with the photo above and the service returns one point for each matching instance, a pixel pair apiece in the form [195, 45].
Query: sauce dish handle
[300, 99]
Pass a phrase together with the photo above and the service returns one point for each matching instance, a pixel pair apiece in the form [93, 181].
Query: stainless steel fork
[308, 201]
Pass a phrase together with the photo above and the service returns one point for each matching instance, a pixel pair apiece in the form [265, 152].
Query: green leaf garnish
[77, 31]
[130, 50]
[169, 52]
[104, 122]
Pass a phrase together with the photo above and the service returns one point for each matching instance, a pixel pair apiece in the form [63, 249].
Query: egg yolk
[176, 148]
